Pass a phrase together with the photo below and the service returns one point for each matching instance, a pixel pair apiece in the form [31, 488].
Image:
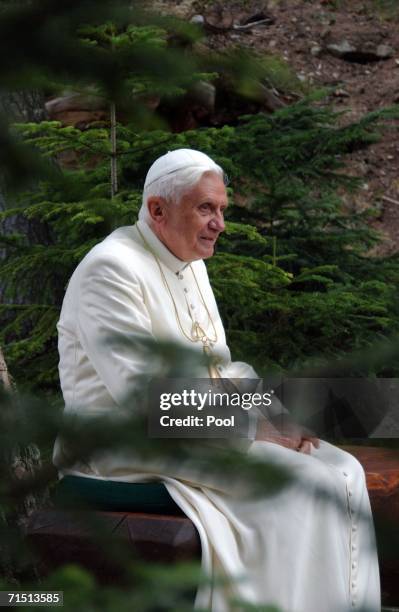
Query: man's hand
[286, 432]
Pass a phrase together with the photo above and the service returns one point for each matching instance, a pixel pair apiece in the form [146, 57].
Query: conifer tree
[317, 295]
[291, 276]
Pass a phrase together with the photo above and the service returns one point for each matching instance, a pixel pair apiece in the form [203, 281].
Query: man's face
[191, 227]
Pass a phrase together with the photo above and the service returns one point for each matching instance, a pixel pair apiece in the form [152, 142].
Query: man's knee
[352, 467]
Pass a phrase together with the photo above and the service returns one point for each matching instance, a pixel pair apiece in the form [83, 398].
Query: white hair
[173, 186]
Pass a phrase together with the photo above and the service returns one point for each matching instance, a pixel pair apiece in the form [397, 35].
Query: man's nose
[217, 222]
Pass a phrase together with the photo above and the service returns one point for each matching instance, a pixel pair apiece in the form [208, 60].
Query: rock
[325, 32]
[341, 49]
[384, 51]
[219, 17]
[360, 52]
[341, 93]
[79, 119]
[203, 94]
[77, 109]
[197, 19]
[270, 100]
[316, 51]
[73, 101]
[80, 110]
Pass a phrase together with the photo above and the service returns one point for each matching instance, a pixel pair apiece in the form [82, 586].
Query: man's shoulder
[120, 240]
[121, 244]
[119, 251]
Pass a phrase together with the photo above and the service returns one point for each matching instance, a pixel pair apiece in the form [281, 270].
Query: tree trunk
[21, 462]
[20, 107]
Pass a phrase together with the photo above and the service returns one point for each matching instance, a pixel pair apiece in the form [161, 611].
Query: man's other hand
[286, 432]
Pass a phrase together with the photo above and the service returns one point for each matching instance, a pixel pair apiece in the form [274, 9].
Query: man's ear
[157, 208]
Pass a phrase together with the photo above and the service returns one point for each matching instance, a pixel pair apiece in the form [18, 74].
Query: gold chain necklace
[197, 332]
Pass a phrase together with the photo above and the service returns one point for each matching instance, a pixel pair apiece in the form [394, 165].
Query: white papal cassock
[310, 548]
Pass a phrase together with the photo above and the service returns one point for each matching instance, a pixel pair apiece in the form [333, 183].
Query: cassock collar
[160, 250]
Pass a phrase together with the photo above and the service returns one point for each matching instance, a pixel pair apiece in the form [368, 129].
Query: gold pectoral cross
[199, 334]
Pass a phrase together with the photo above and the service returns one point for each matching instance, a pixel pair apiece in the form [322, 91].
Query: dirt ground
[301, 33]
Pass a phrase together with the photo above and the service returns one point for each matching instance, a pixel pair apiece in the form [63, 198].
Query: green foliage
[25, 420]
[99, 48]
[248, 73]
[291, 276]
[385, 9]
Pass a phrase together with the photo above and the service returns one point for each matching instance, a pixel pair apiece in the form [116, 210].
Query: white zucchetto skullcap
[177, 160]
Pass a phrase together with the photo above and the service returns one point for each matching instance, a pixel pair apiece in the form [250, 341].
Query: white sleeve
[112, 323]
[241, 370]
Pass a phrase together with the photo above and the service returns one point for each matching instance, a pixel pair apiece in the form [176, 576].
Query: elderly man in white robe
[149, 281]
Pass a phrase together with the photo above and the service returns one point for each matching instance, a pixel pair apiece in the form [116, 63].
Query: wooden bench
[64, 537]
[382, 474]
[60, 537]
